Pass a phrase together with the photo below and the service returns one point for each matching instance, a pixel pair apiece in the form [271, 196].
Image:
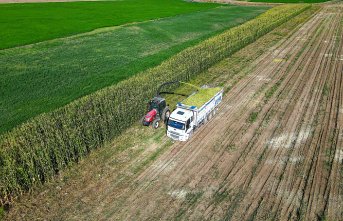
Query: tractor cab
[157, 103]
[157, 111]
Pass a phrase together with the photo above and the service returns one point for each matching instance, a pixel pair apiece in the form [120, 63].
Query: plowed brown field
[274, 151]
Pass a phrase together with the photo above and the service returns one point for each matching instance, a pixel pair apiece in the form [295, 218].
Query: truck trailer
[193, 112]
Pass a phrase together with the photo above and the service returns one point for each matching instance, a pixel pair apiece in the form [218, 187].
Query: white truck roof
[181, 114]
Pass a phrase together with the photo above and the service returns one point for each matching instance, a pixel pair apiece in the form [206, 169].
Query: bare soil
[274, 151]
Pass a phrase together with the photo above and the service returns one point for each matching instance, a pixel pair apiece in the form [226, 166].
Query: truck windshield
[175, 124]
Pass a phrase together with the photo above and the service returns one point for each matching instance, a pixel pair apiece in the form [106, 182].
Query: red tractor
[157, 111]
[157, 107]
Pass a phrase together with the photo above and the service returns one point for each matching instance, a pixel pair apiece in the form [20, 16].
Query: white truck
[192, 112]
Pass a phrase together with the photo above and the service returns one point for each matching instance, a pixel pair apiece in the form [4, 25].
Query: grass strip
[23, 23]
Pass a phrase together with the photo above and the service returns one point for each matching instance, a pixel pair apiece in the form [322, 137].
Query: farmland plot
[23, 24]
[274, 151]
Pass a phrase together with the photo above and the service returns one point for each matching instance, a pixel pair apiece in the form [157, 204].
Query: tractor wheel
[142, 120]
[155, 124]
[165, 114]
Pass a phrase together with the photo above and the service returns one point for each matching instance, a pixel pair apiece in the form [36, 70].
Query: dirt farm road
[273, 151]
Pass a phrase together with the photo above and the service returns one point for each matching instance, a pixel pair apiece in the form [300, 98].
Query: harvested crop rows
[284, 163]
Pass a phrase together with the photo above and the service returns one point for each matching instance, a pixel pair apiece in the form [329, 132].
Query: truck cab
[193, 112]
[180, 124]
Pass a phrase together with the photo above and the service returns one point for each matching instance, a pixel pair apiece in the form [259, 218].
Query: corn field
[38, 149]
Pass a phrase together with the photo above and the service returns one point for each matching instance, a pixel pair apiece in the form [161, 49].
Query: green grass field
[22, 24]
[289, 1]
[41, 77]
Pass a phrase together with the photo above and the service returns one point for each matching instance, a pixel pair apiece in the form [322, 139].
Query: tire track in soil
[262, 169]
[335, 188]
[311, 112]
[318, 194]
[294, 159]
[268, 110]
[285, 143]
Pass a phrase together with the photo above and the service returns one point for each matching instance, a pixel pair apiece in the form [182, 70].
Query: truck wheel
[209, 116]
[191, 134]
[155, 124]
[165, 114]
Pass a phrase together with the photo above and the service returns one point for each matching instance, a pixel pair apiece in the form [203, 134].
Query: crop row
[38, 149]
